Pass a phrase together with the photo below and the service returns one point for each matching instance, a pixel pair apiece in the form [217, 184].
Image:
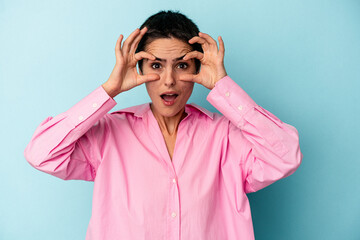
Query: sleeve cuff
[231, 100]
[98, 102]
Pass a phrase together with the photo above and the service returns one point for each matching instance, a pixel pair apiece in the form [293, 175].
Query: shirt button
[227, 94]
[81, 118]
[174, 180]
[173, 214]
[94, 105]
[240, 107]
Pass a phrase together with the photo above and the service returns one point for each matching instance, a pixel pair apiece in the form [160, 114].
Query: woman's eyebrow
[174, 60]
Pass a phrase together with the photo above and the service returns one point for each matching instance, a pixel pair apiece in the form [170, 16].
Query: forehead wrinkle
[157, 47]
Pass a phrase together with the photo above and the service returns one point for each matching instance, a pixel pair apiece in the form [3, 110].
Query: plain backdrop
[298, 59]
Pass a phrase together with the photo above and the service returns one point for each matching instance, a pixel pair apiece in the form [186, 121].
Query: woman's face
[169, 66]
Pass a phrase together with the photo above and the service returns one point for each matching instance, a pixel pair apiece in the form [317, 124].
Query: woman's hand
[212, 61]
[124, 76]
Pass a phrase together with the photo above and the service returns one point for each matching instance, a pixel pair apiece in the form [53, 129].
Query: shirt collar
[140, 110]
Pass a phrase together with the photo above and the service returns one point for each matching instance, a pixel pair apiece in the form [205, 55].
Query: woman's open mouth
[169, 99]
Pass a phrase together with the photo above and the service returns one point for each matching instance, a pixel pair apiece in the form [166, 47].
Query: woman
[168, 169]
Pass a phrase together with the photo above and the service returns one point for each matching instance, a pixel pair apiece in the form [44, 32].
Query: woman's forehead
[168, 47]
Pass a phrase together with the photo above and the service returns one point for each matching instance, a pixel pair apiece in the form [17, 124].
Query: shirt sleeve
[265, 148]
[63, 146]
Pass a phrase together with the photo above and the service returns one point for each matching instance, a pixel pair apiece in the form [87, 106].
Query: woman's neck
[169, 125]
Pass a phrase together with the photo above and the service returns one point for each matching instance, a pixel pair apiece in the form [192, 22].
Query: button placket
[174, 210]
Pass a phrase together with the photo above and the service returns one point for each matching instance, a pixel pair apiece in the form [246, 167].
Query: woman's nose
[170, 78]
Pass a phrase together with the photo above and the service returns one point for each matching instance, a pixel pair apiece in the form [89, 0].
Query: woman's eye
[183, 65]
[155, 65]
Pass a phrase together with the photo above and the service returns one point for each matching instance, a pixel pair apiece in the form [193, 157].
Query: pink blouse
[140, 193]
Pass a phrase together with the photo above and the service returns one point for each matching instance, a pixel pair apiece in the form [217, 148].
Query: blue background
[298, 59]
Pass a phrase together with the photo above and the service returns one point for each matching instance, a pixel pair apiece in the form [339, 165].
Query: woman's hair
[167, 24]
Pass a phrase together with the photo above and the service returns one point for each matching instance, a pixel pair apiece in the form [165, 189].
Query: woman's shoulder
[136, 110]
[121, 118]
[203, 112]
[206, 119]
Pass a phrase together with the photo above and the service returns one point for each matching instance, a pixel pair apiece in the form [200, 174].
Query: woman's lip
[169, 92]
[168, 103]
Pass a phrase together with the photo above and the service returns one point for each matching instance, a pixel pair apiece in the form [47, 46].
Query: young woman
[167, 169]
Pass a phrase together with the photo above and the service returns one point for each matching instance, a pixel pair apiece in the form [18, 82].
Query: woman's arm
[64, 145]
[265, 148]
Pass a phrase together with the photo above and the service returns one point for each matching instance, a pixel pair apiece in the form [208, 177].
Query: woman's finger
[129, 40]
[208, 38]
[221, 46]
[194, 54]
[137, 40]
[198, 40]
[187, 77]
[118, 53]
[140, 79]
[140, 55]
